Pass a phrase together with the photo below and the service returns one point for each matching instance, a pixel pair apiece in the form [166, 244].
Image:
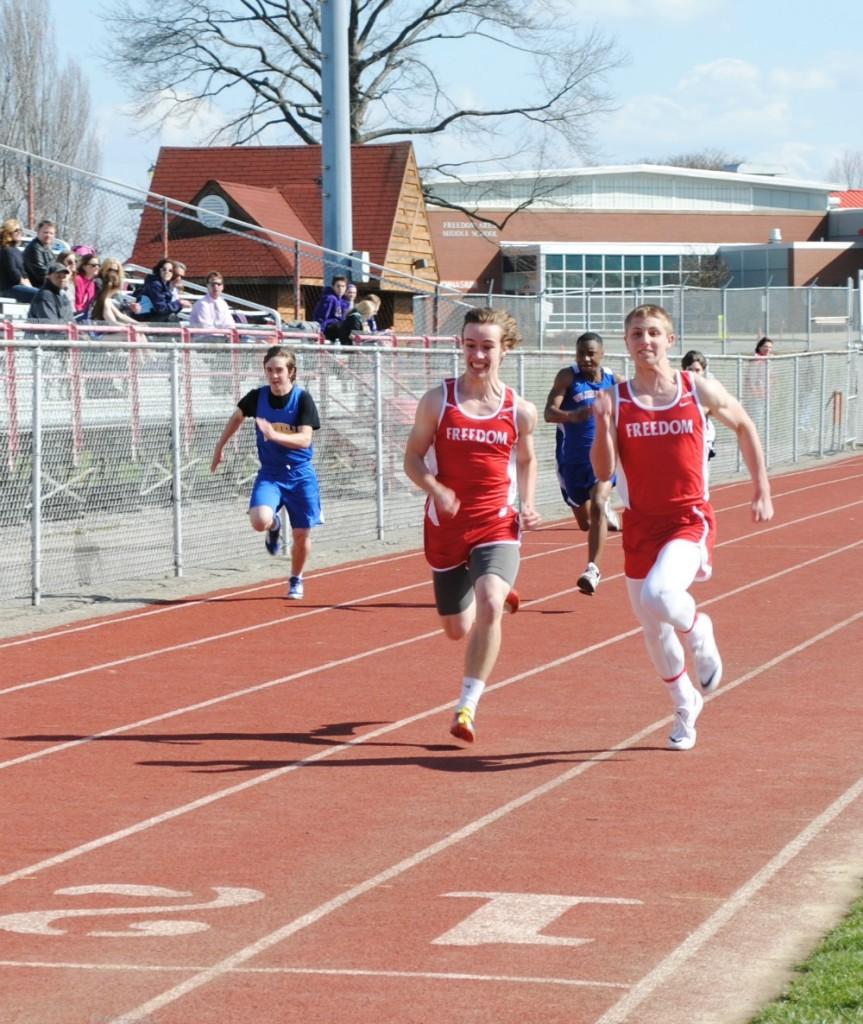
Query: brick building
[277, 189]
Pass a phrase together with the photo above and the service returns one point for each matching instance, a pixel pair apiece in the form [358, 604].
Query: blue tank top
[276, 459]
[573, 440]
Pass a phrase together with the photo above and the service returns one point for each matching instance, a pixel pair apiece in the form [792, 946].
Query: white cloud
[801, 80]
[722, 74]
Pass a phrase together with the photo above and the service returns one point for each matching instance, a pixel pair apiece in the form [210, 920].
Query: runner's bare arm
[231, 427]
[553, 412]
[525, 464]
[725, 407]
[603, 451]
[419, 441]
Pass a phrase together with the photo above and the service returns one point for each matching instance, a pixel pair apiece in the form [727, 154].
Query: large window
[610, 280]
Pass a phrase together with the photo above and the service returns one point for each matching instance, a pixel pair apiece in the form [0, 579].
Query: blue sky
[772, 81]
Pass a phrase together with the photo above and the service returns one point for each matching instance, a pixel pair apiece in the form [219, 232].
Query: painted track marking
[266, 942]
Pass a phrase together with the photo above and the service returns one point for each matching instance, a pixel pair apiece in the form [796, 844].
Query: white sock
[681, 691]
[471, 691]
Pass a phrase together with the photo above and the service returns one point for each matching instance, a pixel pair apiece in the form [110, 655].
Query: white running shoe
[682, 736]
[588, 581]
[705, 654]
[612, 518]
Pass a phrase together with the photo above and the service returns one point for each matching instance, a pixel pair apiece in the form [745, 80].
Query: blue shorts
[576, 481]
[299, 495]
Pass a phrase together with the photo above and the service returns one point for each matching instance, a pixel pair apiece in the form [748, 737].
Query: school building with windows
[605, 230]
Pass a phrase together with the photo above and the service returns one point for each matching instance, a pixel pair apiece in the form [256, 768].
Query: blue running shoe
[295, 588]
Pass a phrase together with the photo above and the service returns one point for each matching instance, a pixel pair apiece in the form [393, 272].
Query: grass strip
[828, 987]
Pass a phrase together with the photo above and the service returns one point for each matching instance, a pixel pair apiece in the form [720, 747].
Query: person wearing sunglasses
[85, 283]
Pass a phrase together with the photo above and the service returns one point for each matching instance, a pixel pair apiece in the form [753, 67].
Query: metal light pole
[335, 135]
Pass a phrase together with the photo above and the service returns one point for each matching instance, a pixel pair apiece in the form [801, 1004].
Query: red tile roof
[851, 199]
[277, 187]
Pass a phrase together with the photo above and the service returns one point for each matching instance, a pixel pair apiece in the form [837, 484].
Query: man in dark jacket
[39, 254]
[51, 302]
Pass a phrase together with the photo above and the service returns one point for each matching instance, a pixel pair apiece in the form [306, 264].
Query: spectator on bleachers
[156, 296]
[332, 308]
[123, 299]
[13, 280]
[104, 308]
[356, 322]
[351, 295]
[211, 310]
[51, 303]
[177, 284]
[39, 253]
[375, 300]
[85, 282]
[69, 260]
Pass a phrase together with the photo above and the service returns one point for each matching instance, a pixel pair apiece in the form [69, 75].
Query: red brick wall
[468, 252]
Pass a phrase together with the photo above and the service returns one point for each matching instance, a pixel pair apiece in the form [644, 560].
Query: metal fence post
[795, 455]
[682, 324]
[176, 457]
[36, 483]
[767, 377]
[740, 397]
[164, 227]
[297, 278]
[379, 444]
[823, 401]
[725, 319]
[520, 372]
[809, 318]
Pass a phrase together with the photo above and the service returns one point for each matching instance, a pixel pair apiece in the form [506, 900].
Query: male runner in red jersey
[652, 429]
[471, 451]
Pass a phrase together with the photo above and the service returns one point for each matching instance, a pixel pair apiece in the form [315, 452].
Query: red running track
[242, 809]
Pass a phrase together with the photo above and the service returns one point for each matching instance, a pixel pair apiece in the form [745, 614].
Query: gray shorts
[453, 588]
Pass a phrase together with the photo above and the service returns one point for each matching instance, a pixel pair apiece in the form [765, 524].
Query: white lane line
[266, 942]
[321, 755]
[359, 656]
[326, 971]
[241, 630]
[268, 623]
[622, 1010]
[180, 605]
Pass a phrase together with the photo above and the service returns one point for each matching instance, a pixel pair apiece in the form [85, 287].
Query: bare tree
[44, 111]
[702, 159]
[259, 61]
[848, 168]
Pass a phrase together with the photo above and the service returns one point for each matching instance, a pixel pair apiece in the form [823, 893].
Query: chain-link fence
[726, 320]
[105, 447]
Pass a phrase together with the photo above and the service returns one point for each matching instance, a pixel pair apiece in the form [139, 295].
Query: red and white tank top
[662, 451]
[475, 455]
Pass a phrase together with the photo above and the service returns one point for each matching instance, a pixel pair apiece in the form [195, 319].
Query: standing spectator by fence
[756, 385]
[13, 278]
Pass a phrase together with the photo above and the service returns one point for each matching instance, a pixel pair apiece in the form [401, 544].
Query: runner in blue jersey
[285, 418]
[570, 406]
